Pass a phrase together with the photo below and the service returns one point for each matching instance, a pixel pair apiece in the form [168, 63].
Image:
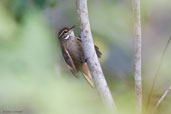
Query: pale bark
[90, 54]
[161, 99]
[137, 59]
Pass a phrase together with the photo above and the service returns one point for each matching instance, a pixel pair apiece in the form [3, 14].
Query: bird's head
[66, 33]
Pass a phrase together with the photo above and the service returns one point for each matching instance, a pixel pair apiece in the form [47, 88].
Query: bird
[72, 51]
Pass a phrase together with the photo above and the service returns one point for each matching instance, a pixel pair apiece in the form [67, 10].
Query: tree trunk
[90, 54]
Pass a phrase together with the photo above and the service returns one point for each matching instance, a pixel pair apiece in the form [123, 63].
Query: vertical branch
[137, 59]
[90, 54]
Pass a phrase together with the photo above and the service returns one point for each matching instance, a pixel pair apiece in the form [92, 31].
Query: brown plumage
[72, 51]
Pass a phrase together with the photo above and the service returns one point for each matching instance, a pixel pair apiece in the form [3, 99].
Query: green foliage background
[34, 78]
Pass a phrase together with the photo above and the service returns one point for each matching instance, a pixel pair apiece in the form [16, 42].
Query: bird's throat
[72, 36]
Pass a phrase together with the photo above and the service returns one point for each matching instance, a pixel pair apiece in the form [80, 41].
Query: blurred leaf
[18, 8]
[8, 26]
[52, 3]
[40, 3]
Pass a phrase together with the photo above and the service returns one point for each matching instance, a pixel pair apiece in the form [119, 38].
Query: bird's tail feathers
[86, 73]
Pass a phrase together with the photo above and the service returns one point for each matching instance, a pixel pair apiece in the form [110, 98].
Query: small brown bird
[73, 53]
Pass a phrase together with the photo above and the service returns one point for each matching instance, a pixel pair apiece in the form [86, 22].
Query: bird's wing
[99, 54]
[86, 73]
[70, 63]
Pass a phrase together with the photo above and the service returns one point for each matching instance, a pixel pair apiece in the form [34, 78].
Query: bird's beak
[71, 29]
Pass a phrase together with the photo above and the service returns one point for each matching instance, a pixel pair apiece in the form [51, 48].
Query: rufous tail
[86, 73]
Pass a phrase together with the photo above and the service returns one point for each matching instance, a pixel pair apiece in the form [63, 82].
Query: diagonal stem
[157, 73]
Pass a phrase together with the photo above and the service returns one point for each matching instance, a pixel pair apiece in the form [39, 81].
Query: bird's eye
[65, 31]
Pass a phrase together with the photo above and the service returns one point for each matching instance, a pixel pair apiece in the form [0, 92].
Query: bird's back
[75, 50]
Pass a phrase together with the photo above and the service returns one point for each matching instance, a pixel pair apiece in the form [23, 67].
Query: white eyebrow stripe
[62, 32]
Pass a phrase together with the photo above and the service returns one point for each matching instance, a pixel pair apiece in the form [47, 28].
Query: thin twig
[161, 99]
[90, 54]
[157, 72]
[137, 59]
